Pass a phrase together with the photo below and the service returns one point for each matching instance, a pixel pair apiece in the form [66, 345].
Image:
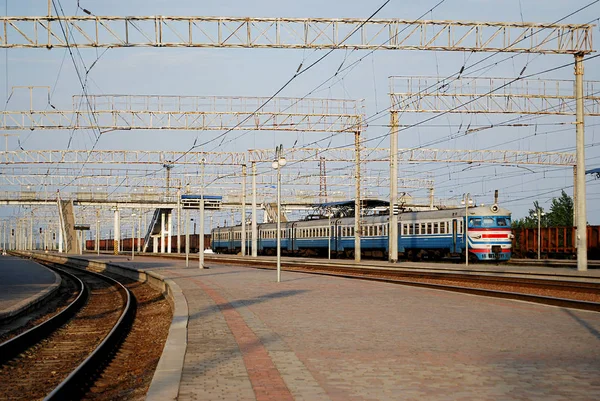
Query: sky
[262, 72]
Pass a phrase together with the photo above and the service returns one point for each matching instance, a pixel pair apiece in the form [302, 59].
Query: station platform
[315, 337]
[22, 284]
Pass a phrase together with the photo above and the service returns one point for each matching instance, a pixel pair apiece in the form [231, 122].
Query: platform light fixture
[277, 164]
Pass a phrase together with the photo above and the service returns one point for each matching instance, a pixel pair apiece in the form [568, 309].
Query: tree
[531, 221]
[560, 214]
[561, 211]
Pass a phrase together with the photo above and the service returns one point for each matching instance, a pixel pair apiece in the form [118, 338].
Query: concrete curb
[33, 300]
[167, 376]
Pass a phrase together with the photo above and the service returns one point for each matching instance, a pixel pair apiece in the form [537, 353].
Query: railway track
[59, 361]
[561, 291]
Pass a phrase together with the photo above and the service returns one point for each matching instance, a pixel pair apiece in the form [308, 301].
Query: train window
[488, 221]
[503, 221]
[404, 229]
[423, 228]
[411, 230]
[429, 230]
[351, 234]
[475, 222]
[436, 228]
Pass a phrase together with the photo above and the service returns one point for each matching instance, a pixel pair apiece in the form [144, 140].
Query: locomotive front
[490, 235]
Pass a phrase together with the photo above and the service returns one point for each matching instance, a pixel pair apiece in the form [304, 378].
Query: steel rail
[372, 272]
[16, 345]
[78, 381]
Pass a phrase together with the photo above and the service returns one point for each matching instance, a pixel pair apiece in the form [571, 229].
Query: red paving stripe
[264, 376]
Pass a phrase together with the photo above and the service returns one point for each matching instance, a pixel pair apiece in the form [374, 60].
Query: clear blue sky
[252, 72]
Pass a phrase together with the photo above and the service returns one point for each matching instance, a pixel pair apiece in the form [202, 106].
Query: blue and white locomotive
[431, 234]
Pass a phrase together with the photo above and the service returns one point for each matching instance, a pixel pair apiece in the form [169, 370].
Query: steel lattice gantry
[491, 95]
[422, 155]
[130, 112]
[292, 33]
[135, 157]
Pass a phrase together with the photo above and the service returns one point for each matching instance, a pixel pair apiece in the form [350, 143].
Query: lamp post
[539, 231]
[467, 199]
[329, 232]
[201, 218]
[133, 235]
[277, 164]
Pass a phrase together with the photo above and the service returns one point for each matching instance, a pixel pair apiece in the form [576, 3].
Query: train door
[332, 236]
[454, 234]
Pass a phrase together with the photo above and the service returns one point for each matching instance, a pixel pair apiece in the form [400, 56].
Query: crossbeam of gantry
[491, 95]
[292, 33]
[101, 179]
[421, 155]
[206, 113]
[121, 157]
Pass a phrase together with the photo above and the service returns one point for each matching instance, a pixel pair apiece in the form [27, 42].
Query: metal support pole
[278, 223]
[132, 236]
[187, 238]
[201, 233]
[243, 210]
[329, 232]
[169, 231]
[97, 242]
[31, 231]
[580, 156]
[254, 216]
[539, 233]
[140, 232]
[393, 228]
[467, 229]
[117, 231]
[179, 221]
[357, 202]
[575, 197]
[162, 232]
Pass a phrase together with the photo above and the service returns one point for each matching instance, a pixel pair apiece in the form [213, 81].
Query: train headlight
[494, 208]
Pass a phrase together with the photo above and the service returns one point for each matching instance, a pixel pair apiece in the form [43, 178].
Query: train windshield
[489, 221]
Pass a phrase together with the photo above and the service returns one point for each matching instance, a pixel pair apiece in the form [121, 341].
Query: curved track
[67, 358]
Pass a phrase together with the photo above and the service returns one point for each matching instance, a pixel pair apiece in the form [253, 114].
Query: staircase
[71, 240]
[155, 226]
[271, 211]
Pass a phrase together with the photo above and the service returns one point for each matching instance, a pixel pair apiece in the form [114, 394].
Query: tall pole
[254, 216]
[132, 236]
[393, 237]
[31, 231]
[97, 244]
[580, 156]
[357, 198]
[139, 245]
[178, 221]
[243, 210]
[467, 228]
[162, 231]
[187, 237]
[278, 222]
[539, 233]
[201, 233]
[117, 231]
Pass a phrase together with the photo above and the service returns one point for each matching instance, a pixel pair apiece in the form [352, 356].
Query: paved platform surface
[314, 337]
[23, 282]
